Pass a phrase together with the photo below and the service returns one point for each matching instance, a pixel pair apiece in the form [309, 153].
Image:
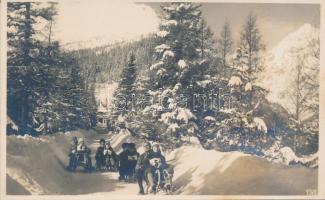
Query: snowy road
[112, 177]
[120, 187]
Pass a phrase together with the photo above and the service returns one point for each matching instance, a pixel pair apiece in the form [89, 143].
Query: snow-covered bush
[235, 81]
[285, 155]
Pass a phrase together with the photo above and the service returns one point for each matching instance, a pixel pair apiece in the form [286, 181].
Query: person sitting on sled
[157, 154]
[157, 160]
[83, 152]
[110, 156]
[72, 154]
[166, 170]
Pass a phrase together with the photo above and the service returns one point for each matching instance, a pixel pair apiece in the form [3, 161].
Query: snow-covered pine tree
[251, 47]
[142, 123]
[181, 65]
[241, 127]
[123, 108]
[42, 81]
[46, 88]
[225, 43]
[24, 59]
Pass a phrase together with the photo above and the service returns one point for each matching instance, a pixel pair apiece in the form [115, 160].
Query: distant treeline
[105, 64]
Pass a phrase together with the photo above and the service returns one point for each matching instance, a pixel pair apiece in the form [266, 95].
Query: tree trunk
[27, 61]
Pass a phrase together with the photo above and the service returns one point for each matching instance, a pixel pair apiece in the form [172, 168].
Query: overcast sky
[112, 20]
[117, 20]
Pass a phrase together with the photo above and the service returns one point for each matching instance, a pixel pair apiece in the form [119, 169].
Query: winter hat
[155, 144]
[147, 144]
[101, 141]
[124, 145]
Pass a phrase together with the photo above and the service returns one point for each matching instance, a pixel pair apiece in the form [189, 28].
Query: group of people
[125, 162]
[147, 164]
[106, 157]
[79, 154]
[129, 163]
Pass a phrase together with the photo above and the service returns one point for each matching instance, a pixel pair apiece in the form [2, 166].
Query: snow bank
[193, 163]
[209, 172]
[37, 166]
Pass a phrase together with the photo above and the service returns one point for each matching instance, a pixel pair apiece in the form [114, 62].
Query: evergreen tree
[225, 43]
[124, 94]
[23, 58]
[251, 46]
[181, 65]
[45, 90]
[237, 125]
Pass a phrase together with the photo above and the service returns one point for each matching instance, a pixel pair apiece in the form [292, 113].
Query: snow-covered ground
[36, 166]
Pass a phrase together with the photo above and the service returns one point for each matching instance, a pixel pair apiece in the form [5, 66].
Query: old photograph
[164, 99]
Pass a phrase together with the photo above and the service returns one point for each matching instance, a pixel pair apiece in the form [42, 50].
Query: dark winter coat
[160, 156]
[99, 153]
[133, 158]
[73, 149]
[123, 159]
[113, 154]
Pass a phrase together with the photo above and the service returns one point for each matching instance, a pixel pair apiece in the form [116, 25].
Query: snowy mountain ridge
[281, 61]
[98, 42]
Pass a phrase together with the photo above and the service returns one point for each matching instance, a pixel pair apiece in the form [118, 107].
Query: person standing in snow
[133, 156]
[123, 162]
[100, 154]
[143, 167]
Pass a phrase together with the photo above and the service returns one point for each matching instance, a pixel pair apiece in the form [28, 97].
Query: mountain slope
[280, 63]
